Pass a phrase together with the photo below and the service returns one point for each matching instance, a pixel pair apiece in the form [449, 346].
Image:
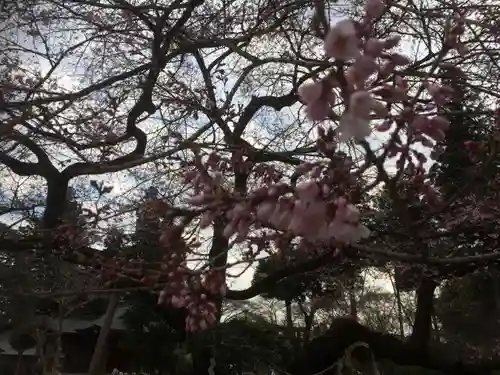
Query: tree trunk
[308, 320]
[290, 331]
[204, 358]
[100, 347]
[289, 316]
[353, 305]
[397, 293]
[422, 326]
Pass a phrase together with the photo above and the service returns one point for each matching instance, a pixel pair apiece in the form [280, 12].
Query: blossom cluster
[186, 288]
[319, 203]
[363, 85]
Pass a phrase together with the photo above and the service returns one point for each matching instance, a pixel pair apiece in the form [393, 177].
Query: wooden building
[78, 338]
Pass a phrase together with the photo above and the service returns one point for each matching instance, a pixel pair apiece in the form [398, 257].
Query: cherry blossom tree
[269, 127]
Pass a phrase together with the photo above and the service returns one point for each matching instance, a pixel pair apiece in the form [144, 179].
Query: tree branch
[262, 285]
[257, 102]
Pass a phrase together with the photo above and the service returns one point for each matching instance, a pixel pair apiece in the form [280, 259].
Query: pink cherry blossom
[386, 69]
[307, 217]
[356, 121]
[343, 232]
[344, 227]
[198, 200]
[420, 123]
[440, 122]
[342, 42]
[363, 67]
[298, 225]
[374, 47]
[317, 96]
[265, 210]
[440, 94]
[384, 126]
[433, 128]
[318, 111]
[348, 213]
[178, 301]
[352, 126]
[304, 168]
[311, 92]
[401, 83]
[391, 93]
[307, 190]
[362, 103]
[318, 200]
[374, 8]
[392, 42]
[281, 216]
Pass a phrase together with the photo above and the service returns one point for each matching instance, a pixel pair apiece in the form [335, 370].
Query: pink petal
[341, 41]
[297, 225]
[432, 88]
[197, 200]
[374, 8]
[380, 109]
[243, 229]
[384, 126]
[352, 214]
[420, 123]
[307, 190]
[310, 92]
[265, 210]
[386, 69]
[318, 111]
[374, 47]
[360, 103]
[440, 122]
[353, 126]
[366, 65]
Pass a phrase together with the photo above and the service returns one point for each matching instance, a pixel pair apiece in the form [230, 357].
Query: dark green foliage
[155, 334]
[159, 344]
[244, 345]
[389, 368]
[467, 306]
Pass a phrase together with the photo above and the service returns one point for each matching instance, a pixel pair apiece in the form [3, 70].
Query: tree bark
[353, 305]
[309, 321]
[100, 347]
[422, 326]
[397, 293]
[289, 317]
[203, 357]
